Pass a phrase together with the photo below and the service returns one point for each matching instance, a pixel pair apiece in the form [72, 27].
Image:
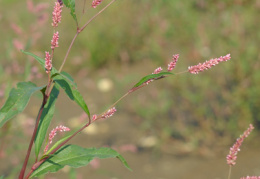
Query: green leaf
[71, 5]
[40, 60]
[46, 118]
[2, 177]
[70, 87]
[152, 77]
[75, 156]
[17, 100]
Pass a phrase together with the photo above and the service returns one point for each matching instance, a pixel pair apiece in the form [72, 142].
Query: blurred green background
[185, 114]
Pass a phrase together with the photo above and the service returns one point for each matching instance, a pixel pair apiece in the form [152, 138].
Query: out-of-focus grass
[199, 109]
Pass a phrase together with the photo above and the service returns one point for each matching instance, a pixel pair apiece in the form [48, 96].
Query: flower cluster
[48, 64]
[156, 71]
[232, 156]
[172, 65]
[109, 113]
[95, 3]
[208, 64]
[56, 14]
[53, 133]
[54, 41]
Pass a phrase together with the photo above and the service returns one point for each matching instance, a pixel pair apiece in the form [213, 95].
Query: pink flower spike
[48, 64]
[109, 113]
[53, 133]
[56, 14]
[252, 177]
[208, 64]
[156, 71]
[172, 65]
[95, 3]
[54, 41]
[232, 156]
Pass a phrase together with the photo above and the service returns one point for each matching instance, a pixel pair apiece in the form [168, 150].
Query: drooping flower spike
[53, 133]
[232, 156]
[208, 64]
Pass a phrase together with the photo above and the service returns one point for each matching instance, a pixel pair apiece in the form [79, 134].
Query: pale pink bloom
[172, 65]
[54, 41]
[94, 117]
[53, 133]
[109, 113]
[156, 71]
[95, 3]
[252, 177]
[208, 64]
[56, 14]
[232, 156]
[48, 64]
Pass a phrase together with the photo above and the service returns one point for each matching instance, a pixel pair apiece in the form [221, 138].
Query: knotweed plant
[232, 156]
[49, 155]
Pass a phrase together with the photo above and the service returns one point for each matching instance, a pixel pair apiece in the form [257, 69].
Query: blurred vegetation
[215, 105]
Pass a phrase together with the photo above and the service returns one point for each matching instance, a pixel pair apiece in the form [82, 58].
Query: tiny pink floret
[56, 14]
[95, 3]
[208, 64]
[54, 41]
[109, 113]
[172, 65]
[53, 133]
[94, 117]
[48, 64]
[232, 156]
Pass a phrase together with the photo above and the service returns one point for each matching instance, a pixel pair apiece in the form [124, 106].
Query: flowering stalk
[172, 65]
[156, 71]
[95, 3]
[232, 156]
[56, 14]
[208, 64]
[53, 133]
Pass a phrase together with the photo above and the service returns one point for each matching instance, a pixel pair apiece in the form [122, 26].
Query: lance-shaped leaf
[45, 119]
[40, 60]
[66, 82]
[152, 77]
[17, 100]
[75, 156]
[71, 5]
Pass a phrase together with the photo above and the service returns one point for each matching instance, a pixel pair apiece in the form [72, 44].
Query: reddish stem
[36, 165]
[21, 175]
